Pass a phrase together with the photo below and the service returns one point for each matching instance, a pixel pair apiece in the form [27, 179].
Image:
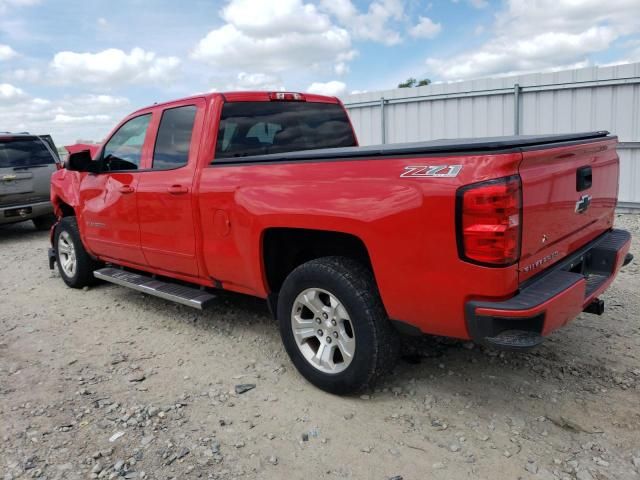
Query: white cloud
[22, 75]
[113, 66]
[425, 28]
[259, 36]
[333, 88]
[255, 81]
[543, 35]
[62, 118]
[10, 95]
[66, 119]
[372, 25]
[341, 68]
[264, 19]
[6, 52]
[540, 52]
[6, 4]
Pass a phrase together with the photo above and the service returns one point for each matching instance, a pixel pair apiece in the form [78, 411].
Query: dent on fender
[64, 189]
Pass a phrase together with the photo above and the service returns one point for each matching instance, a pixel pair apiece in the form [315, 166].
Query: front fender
[65, 189]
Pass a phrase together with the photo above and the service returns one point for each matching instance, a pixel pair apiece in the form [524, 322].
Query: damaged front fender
[65, 189]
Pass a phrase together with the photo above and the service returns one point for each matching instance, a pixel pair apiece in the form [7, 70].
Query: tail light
[287, 97]
[489, 222]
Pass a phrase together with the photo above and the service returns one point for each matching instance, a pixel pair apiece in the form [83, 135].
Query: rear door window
[258, 128]
[174, 138]
[24, 152]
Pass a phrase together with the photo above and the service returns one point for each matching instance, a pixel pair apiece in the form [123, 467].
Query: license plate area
[18, 212]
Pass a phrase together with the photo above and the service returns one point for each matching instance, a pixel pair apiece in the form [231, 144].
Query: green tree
[412, 82]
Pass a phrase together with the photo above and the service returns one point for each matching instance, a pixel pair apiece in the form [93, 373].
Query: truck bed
[443, 146]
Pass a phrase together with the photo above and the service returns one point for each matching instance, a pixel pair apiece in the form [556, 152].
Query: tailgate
[15, 182]
[569, 196]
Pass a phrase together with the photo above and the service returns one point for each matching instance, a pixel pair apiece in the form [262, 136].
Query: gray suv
[26, 164]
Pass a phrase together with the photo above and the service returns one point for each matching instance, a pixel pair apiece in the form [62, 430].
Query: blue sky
[74, 68]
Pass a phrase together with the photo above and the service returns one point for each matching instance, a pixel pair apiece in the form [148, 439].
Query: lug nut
[328, 339]
[318, 320]
[334, 323]
[320, 333]
[325, 316]
[335, 334]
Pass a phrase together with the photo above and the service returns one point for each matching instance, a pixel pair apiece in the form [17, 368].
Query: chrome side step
[189, 296]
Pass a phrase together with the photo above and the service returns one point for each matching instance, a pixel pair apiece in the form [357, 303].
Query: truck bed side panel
[406, 223]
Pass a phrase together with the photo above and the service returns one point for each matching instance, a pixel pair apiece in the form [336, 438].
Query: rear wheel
[334, 327]
[74, 263]
[44, 222]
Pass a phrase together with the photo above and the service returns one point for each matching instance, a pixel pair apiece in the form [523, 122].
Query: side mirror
[81, 162]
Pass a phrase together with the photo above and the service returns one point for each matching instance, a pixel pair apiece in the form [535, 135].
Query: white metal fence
[587, 99]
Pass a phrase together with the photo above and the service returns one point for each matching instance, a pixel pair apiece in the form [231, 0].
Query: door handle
[126, 189]
[584, 178]
[177, 189]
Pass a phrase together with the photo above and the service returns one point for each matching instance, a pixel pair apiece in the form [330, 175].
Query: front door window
[123, 151]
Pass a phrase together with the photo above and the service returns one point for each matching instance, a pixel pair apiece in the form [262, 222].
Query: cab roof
[248, 96]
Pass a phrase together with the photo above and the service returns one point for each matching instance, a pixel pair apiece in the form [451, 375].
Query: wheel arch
[284, 249]
[62, 209]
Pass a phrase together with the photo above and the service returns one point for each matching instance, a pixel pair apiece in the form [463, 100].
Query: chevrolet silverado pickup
[499, 240]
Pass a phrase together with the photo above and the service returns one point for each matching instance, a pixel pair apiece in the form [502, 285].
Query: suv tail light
[489, 222]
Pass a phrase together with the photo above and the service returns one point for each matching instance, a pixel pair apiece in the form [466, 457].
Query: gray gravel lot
[109, 383]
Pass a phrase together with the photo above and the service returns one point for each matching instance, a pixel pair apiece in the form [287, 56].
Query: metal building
[597, 98]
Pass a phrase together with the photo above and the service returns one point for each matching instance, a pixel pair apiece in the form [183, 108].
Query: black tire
[376, 341]
[44, 222]
[85, 264]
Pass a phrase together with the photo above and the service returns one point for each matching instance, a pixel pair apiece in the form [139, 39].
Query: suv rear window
[258, 128]
[24, 152]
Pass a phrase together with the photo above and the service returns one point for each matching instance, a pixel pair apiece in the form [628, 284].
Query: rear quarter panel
[406, 224]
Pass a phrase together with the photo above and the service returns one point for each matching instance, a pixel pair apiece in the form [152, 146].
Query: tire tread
[360, 279]
[86, 264]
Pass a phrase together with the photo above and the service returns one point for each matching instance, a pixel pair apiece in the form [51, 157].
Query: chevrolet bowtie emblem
[583, 204]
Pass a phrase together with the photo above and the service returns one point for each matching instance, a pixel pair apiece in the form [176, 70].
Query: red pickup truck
[499, 240]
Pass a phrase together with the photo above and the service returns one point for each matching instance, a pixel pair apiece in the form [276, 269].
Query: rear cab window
[260, 128]
[21, 152]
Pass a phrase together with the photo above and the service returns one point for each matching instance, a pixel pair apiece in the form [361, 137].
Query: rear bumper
[550, 300]
[27, 211]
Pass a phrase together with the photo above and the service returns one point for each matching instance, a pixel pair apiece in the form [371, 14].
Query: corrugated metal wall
[598, 98]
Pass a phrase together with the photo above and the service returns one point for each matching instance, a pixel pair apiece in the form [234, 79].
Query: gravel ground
[107, 383]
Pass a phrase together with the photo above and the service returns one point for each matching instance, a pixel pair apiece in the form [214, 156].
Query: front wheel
[334, 326]
[74, 263]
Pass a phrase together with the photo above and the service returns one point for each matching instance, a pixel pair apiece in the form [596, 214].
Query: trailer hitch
[596, 307]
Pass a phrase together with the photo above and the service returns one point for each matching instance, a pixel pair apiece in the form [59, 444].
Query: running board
[189, 296]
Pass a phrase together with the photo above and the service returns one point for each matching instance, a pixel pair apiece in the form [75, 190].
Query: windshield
[257, 128]
[24, 152]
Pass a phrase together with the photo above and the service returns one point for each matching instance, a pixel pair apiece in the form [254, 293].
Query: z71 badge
[424, 171]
